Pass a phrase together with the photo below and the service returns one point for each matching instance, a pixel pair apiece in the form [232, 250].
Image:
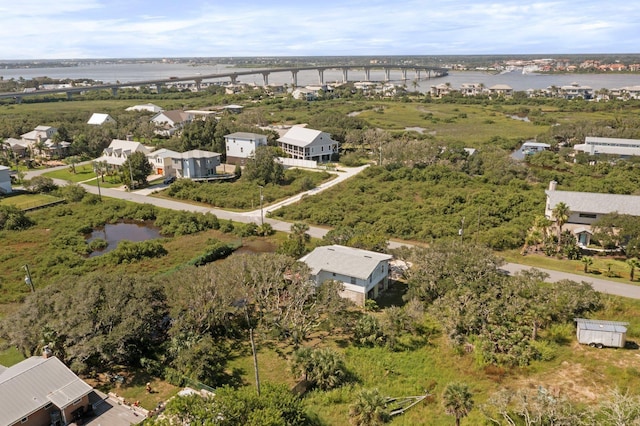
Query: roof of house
[126, 146]
[145, 107]
[16, 142]
[3, 168]
[594, 202]
[245, 136]
[35, 382]
[344, 260]
[536, 144]
[500, 87]
[176, 116]
[198, 153]
[164, 153]
[597, 140]
[302, 136]
[99, 118]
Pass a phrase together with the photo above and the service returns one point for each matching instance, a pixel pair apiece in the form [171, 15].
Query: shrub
[128, 251]
[13, 219]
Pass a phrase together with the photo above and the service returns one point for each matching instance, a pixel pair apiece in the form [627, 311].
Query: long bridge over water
[418, 70]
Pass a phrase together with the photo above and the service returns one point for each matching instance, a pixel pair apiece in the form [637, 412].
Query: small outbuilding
[600, 333]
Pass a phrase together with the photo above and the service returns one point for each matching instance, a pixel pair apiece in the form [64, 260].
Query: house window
[353, 280]
[588, 215]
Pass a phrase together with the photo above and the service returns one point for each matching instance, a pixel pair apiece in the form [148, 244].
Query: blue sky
[38, 29]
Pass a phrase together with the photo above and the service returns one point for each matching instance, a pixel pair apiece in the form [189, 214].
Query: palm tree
[369, 409]
[588, 261]
[561, 214]
[457, 400]
[633, 264]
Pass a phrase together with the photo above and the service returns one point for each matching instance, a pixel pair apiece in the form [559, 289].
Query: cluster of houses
[570, 91]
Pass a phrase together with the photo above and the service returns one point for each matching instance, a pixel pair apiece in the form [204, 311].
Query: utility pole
[261, 212]
[130, 174]
[28, 280]
[95, 169]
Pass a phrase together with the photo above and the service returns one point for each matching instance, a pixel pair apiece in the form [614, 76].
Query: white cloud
[125, 28]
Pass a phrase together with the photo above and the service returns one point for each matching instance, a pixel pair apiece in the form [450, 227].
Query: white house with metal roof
[41, 391]
[588, 207]
[242, 145]
[119, 150]
[364, 273]
[613, 146]
[307, 144]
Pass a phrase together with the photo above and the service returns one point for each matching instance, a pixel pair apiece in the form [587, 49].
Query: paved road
[601, 285]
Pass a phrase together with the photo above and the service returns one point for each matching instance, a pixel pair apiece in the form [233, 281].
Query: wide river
[132, 72]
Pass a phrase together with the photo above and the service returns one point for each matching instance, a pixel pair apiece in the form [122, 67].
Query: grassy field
[619, 269]
[28, 201]
[576, 371]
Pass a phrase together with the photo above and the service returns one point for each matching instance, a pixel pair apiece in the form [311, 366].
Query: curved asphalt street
[141, 196]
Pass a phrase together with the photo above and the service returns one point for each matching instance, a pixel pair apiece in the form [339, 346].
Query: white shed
[600, 333]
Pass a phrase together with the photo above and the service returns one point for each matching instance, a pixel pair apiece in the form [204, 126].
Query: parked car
[169, 180]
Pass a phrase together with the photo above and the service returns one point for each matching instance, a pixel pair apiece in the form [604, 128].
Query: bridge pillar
[387, 74]
[404, 74]
[294, 78]
[159, 88]
[69, 96]
[114, 91]
[18, 99]
[367, 74]
[417, 74]
[321, 76]
[198, 84]
[345, 75]
[234, 78]
[265, 78]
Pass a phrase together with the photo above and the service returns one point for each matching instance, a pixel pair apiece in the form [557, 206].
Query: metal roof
[343, 260]
[245, 135]
[602, 325]
[35, 382]
[594, 202]
[303, 137]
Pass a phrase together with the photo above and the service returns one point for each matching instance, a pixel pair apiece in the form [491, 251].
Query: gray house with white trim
[587, 207]
[364, 273]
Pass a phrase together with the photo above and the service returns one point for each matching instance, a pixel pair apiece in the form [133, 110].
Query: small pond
[113, 233]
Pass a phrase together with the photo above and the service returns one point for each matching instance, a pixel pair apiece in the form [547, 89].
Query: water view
[113, 233]
[132, 72]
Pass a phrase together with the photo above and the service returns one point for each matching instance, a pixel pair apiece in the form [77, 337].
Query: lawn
[83, 172]
[600, 267]
[28, 201]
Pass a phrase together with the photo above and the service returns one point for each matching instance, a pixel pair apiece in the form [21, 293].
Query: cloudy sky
[39, 29]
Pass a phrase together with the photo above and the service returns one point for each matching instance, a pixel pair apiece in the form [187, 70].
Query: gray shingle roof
[593, 202]
[35, 382]
[343, 260]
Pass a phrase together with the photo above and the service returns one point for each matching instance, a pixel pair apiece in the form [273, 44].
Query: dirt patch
[569, 379]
